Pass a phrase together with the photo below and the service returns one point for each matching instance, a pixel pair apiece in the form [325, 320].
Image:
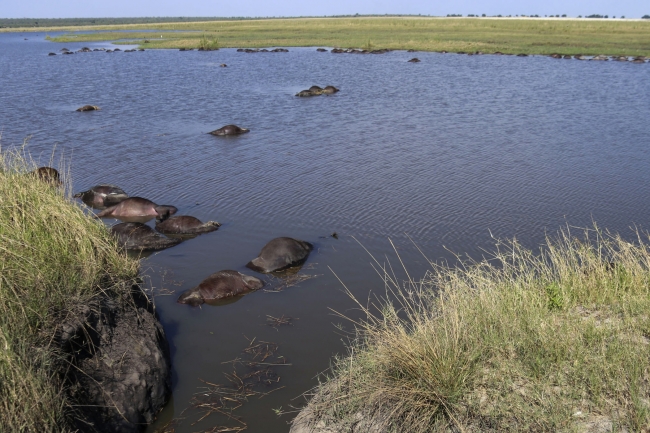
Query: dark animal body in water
[279, 254]
[102, 196]
[223, 65]
[321, 50]
[414, 60]
[229, 130]
[138, 207]
[88, 108]
[220, 285]
[48, 174]
[52, 54]
[186, 225]
[316, 91]
[138, 236]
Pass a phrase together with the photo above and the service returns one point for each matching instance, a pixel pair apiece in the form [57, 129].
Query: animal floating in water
[186, 225]
[134, 207]
[220, 285]
[102, 196]
[229, 130]
[138, 236]
[280, 254]
[88, 108]
[316, 91]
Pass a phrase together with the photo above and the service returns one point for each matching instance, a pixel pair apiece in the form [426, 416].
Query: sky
[270, 8]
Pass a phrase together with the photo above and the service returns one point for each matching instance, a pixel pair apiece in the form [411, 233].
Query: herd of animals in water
[277, 255]
[601, 57]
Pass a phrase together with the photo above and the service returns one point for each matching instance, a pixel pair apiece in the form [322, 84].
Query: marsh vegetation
[53, 259]
[427, 34]
[554, 340]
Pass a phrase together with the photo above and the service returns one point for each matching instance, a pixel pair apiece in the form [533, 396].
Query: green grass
[513, 36]
[208, 43]
[52, 259]
[550, 341]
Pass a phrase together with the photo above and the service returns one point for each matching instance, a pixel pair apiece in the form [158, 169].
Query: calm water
[448, 151]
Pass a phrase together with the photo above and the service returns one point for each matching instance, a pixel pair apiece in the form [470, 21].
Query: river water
[450, 152]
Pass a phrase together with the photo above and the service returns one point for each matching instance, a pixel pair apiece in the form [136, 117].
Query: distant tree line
[538, 16]
[72, 22]
[57, 22]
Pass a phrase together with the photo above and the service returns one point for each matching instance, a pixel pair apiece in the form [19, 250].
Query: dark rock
[120, 374]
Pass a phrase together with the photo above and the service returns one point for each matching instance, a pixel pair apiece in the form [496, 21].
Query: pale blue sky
[262, 8]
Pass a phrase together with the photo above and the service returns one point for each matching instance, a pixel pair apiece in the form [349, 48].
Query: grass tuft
[557, 340]
[208, 43]
[53, 258]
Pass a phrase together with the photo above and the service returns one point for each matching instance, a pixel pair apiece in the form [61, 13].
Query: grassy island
[489, 35]
[552, 341]
[53, 258]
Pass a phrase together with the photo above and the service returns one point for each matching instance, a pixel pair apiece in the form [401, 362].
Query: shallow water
[448, 152]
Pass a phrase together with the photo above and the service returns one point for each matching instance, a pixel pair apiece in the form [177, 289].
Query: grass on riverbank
[513, 36]
[52, 259]
[551, 342]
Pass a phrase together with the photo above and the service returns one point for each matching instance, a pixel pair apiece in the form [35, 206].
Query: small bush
[208, 43]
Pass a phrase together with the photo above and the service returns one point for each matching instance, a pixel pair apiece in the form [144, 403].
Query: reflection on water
[450, 153]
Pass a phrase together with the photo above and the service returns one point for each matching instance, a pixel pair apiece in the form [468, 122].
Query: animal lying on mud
[279, 254]
[229, 130]
[186, 225]
[138, 236]
[220, 285]
[102, 196]
[138, 207]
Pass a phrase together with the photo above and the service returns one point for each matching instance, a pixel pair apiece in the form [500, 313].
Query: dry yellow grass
[53, 258]
[549, 341]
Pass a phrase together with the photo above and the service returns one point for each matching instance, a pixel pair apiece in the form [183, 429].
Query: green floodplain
[488, 35]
